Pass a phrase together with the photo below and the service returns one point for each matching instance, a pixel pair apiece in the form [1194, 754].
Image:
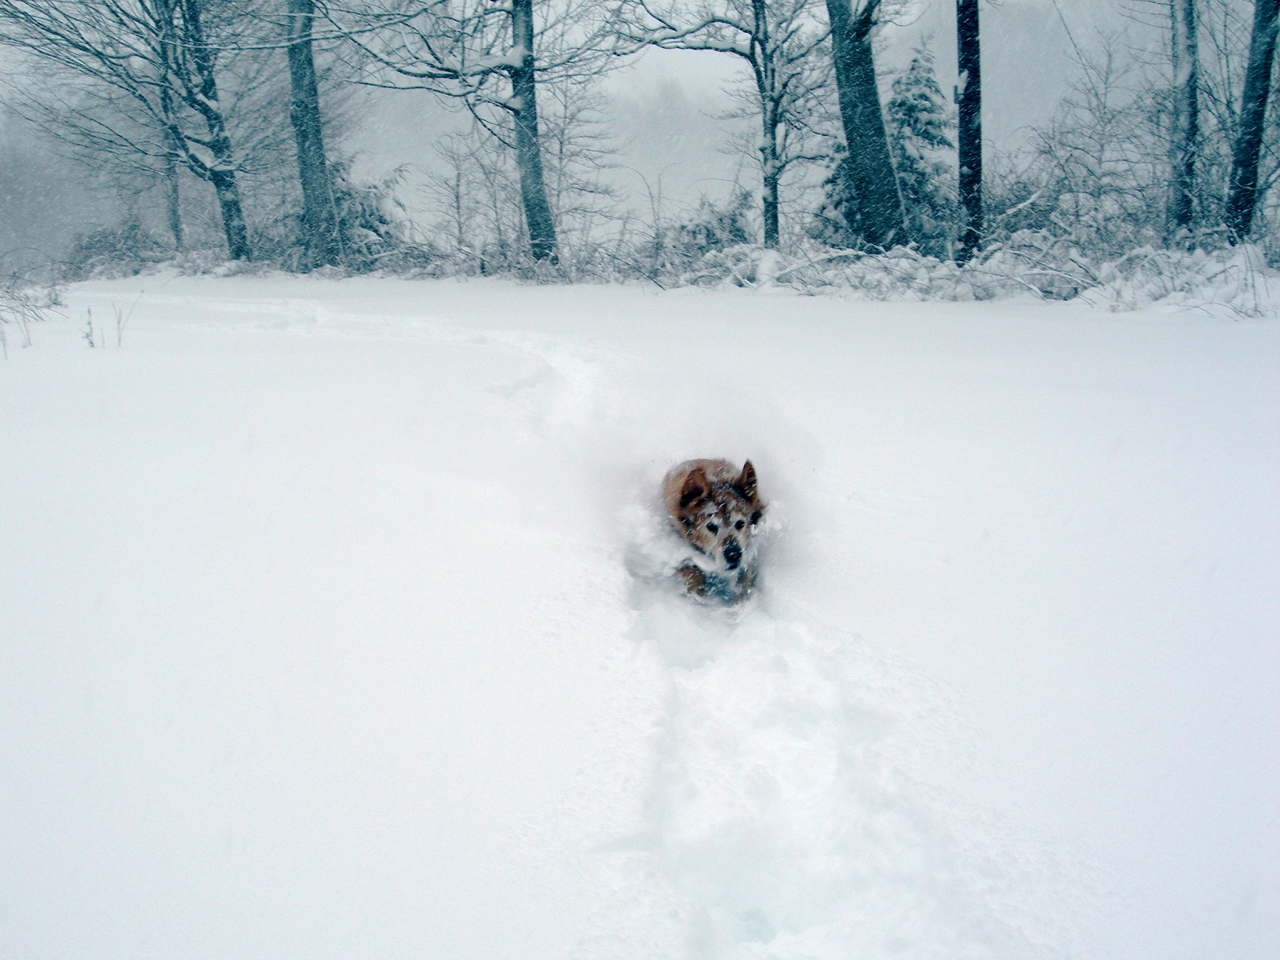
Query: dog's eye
[739, 525]
[755, 518]
[713, 527]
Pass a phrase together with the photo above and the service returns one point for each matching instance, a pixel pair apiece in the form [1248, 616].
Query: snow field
[330, 628]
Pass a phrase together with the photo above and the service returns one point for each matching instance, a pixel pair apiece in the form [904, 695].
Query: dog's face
[717, 509]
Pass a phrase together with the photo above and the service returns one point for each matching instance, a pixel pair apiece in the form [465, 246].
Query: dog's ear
[696, 487]
[746, 481]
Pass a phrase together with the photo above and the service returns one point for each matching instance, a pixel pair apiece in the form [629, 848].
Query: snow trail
[802, 801]
[800, 797]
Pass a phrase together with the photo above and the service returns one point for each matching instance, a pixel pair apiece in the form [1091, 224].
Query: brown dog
[716, 508]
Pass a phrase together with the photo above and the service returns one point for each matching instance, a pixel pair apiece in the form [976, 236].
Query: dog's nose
[732, 554]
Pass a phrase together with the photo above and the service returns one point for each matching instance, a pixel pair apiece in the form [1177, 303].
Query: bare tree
[1243, 186]
[969, 134]
[99, 129]
[477, 194]
[1196, 94]
[524, 110]
[783, 45]
[578, 148]
[875, 211]
[157, 55]
[462, 49]
[1102, 175]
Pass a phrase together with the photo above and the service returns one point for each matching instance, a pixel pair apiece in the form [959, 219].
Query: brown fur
[716, 507]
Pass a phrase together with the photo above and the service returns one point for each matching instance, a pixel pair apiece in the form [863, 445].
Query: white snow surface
[333, 626]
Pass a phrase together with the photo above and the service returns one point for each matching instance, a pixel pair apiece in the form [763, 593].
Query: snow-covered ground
[328, 628]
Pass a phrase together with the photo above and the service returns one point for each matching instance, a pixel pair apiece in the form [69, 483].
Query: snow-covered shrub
[373, 225]
[109, 252]
[1265, 232]
[829, 225]
[1036, 263]
[902, 273]
[711, 246]
[373, 222]
[1237, 278]
[680, 250]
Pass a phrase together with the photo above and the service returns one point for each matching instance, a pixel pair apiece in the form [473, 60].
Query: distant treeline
[212, 124]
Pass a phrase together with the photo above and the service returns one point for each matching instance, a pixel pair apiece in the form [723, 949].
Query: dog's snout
[732, 554]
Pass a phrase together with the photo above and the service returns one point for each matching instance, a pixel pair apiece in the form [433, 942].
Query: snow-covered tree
[1101, 163]
[465, 49]
[141, 79]
[919, 126]
[477, 190]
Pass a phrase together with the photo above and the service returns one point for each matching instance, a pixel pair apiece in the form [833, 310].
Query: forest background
[648, 136]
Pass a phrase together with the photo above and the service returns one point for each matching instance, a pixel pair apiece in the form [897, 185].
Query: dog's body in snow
[715, 507]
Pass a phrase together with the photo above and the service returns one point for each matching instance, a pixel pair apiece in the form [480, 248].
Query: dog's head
[718, 511]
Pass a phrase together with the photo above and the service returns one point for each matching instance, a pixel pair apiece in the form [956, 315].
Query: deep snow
[329, 630]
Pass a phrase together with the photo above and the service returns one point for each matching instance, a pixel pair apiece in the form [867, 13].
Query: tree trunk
[770, 199]
[766, 83]
[458, 219]
[222, 172]
[173, 200]
[876, 204]
[1243, 196]
[533, 190]
[233, 225]
[969, 134]
[173, 156]
[770, 168]
[1186, 117]
[319, 218]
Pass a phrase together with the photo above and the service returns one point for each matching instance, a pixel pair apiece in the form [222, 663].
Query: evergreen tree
[919, 123]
